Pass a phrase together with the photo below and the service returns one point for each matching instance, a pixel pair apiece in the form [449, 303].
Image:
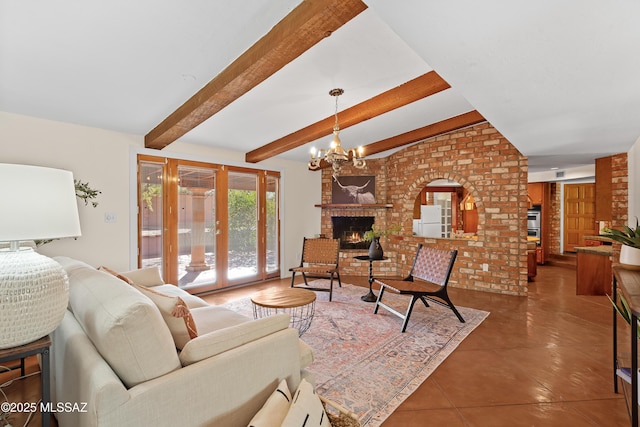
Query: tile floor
[544, 361]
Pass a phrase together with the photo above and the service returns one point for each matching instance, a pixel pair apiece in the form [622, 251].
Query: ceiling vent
[559, 174]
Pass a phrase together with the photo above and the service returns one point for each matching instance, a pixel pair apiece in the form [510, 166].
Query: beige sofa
[115, 355]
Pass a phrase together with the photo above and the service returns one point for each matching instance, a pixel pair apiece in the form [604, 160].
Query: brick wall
[555, 219]
[349, 265]
[490, 168]
[619, 196]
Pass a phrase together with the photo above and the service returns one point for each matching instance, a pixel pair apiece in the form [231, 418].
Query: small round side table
[299, 303]
[370, 297]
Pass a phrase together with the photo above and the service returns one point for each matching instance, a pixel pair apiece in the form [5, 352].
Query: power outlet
[485, 267]
[110, 217]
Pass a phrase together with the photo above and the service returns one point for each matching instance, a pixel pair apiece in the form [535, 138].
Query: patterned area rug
[363, 361]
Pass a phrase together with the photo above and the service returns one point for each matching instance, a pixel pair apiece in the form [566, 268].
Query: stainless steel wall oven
[534, 224]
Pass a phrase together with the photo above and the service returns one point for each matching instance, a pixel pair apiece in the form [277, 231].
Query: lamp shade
[37, 203]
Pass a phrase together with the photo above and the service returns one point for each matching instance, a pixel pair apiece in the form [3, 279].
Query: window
[207, 226]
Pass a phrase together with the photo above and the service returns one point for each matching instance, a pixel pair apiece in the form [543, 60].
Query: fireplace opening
[350, 230]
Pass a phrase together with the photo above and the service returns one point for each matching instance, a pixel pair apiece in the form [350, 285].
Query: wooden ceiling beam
[429, 131]
[448, 125]
[305, 26]
[413, 90]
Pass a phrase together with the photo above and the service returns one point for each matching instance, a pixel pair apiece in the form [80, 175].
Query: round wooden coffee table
[299, 303]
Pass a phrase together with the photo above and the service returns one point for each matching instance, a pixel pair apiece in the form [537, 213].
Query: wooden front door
[579, 214]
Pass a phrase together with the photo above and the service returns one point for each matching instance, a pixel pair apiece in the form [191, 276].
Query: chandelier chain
[336, 93]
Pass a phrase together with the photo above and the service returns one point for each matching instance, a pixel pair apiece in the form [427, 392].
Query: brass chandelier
[336, 155]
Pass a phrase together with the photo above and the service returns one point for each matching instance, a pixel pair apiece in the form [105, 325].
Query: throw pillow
[174, 291]
[148, 276]
[306, 408]
[175, 313]
[275, 408]
[116, 274]
[124, 325]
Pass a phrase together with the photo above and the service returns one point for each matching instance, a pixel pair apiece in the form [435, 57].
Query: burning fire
[354, 237]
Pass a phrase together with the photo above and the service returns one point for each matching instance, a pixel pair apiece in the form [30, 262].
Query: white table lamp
[35, 203]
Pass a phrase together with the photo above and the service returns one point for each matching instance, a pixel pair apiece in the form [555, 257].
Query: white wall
[103, 158]
[579, 172]
[633, 159]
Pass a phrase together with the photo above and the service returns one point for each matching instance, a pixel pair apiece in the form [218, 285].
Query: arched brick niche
[489, 167]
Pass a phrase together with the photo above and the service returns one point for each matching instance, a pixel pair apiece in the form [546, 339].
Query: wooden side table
[299, 303]
[41, 347]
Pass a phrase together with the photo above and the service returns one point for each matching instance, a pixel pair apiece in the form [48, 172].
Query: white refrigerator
[430, 222]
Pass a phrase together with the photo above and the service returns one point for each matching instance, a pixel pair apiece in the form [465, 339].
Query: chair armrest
[222, 340]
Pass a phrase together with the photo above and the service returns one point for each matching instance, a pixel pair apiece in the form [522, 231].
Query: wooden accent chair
[319, 261]
[427, 280]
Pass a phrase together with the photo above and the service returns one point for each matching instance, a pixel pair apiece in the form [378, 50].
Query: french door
[207, 226]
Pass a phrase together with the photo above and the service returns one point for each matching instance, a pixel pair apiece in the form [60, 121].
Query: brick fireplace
[350, 230]
[488, 166]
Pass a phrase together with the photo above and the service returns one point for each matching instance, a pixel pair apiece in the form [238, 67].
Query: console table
[628, 283]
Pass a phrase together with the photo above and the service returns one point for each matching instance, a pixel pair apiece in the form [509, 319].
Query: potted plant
[373, 235]
[83, 192]
[630, 239]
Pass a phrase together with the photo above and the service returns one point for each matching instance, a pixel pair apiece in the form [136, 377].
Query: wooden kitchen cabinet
[540, 194]
[532, 262]
[593, 270]
[536, 192]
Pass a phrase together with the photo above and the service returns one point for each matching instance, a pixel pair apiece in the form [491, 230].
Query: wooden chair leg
[331, 288]
[293, 276]
[414, 298]
[453, 308]
[375, 311]
[424, 301]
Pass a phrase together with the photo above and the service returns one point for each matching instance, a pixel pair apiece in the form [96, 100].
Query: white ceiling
[559, 79]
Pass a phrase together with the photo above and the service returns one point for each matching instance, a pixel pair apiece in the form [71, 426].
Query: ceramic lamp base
[34, 293]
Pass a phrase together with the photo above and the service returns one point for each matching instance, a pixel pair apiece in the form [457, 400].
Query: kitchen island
[593, 270]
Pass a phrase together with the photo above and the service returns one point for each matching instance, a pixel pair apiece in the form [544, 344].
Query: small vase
[630, 257]
[375, 250]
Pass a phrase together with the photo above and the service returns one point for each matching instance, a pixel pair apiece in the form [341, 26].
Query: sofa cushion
[124, 325]
[306, 408]
[226, 338]
[213, 318]
[150, 277]
[275, 408]
[147, 276]
[175, 313]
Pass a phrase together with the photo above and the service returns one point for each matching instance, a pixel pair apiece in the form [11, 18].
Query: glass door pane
[242, 203]
[272, 219]
[150, 202]
[196, 228]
